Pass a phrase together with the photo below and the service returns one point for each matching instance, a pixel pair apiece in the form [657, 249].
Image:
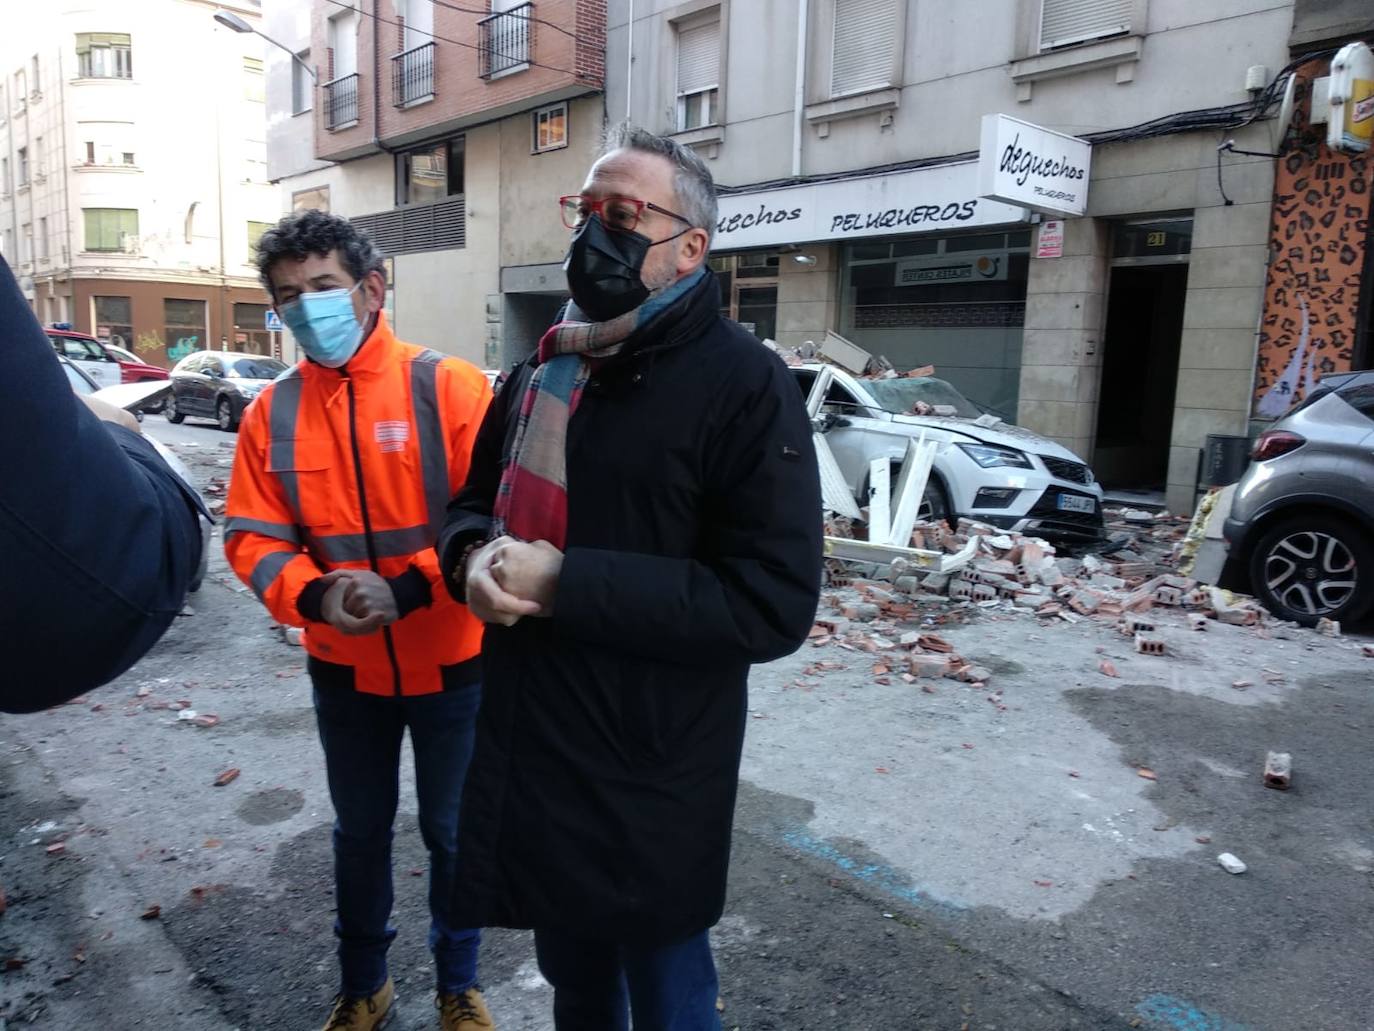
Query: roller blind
[698, 57]
[1063, 22]
[865, 42]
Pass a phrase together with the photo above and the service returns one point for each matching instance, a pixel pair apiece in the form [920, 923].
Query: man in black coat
[99, 538]
[641, 522]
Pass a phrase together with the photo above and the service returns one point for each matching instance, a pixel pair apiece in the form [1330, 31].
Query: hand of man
[368, 595]
[529, 571]
[110, 413]
[486, 598]
[332, 605]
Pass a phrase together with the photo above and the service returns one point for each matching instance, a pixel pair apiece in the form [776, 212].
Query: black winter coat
[602, 787]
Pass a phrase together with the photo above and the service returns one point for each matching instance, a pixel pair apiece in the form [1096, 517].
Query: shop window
[104, 55]
[111, 229]
[250, 329]
[698, 73]
[430, 174]
[551, 128]
[749, 290]
[863, 47]
[183, 327]
[114, 322]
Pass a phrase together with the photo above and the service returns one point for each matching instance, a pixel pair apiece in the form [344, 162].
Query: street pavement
[902, 859]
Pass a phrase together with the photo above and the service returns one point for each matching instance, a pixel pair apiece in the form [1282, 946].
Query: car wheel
[169, 409]
[225, 416]
[1307, 568]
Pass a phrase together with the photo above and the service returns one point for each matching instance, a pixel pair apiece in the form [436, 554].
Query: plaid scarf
[532, 501]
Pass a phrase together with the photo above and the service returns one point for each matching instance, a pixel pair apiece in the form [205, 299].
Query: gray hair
[692, 182]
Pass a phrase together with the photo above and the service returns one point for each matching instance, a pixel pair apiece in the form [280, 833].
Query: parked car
[985, 468]
[219, 385]
[1302, 517]
[134, 369]
[87, 354]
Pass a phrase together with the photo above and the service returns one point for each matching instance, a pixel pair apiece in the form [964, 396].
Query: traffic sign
[273, 321]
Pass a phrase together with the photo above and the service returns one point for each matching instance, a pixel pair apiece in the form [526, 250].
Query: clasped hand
[507, 580]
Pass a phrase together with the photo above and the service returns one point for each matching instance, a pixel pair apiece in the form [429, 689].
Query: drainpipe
[630, 58]
[377, 80]
[69, 255]
[799, 98]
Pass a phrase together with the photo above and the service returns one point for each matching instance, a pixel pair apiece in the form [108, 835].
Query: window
[22, 156]
[183, 327]
[316, 198]
[255, 231]
[551, 128]
[90, 152]
[430, 175]
[104, 55]
[1067, 22]
[864, 46]
[36, 82]
[114, 322]
[254, 88]
[250, 334]
[26, 243]
[43, 254]
[698, 74]
[5, 176]
[21, 90]
[38, 157]
[302, 93]
[343, 44]
[111, 229]
[128, 157]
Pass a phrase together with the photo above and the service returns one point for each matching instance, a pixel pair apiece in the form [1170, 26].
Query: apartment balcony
[341, 102]
[412, 75]
[505, 41]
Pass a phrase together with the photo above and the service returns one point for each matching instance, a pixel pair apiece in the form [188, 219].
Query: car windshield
[256, 368]
[901, 396]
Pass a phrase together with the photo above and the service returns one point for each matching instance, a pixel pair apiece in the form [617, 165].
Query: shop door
[1135, 410]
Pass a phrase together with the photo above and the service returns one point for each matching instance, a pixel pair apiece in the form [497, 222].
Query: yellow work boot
[463, 1011]
[352, 1013]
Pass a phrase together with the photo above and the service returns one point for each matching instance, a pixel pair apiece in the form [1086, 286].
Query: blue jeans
[597, 985]
[362, 735]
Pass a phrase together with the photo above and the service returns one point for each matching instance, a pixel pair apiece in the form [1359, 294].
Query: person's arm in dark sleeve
[468, 520]
[751, 593]
[100, 538]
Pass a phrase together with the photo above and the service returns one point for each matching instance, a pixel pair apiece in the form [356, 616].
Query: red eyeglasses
[621, 213]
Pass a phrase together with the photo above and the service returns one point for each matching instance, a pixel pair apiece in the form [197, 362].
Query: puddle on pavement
[271, 806]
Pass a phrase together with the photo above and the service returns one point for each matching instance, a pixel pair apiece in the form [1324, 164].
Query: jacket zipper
[367, 525]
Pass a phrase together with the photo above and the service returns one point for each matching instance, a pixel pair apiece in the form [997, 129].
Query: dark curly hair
[303, 233]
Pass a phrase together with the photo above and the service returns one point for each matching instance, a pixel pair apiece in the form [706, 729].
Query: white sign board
[1351, 125]
[1020, 163]
[1051, 243]
[940, 199]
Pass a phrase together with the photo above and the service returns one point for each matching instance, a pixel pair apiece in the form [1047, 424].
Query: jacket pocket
[310, 480]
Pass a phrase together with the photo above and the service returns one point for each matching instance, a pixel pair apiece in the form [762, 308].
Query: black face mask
[603, 268]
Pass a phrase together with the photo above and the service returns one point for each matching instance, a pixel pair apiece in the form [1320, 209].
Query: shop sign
[939, 199]
[1350, 127]
[1051, 242]
[1021, 163]
[951, 268]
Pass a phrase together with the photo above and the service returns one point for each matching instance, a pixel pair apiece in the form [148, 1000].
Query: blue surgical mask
[325, 325]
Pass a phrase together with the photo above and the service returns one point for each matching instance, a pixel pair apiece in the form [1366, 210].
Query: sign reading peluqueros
[1039, 169]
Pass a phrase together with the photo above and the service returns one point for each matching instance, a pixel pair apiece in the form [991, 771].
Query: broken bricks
[923, 665]
[1278, 771]
[1147, 645]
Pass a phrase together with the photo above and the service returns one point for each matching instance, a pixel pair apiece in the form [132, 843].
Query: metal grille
[1065, 470]
[412, 75]
[504, 41]
[341, 102]
[423, 227]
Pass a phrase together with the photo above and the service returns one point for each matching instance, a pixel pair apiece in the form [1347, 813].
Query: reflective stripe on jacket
[353, 468]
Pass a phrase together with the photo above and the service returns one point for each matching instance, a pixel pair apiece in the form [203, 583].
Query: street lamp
[233, 21]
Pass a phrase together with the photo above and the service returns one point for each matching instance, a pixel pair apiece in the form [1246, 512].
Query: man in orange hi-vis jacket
[343, 470]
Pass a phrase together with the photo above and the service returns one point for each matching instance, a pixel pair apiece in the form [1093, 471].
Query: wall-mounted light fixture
[805, 260]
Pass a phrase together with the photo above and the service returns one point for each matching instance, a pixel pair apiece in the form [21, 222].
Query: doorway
[1145, 301]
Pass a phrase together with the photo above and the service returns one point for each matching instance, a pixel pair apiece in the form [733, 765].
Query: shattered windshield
[901, 396]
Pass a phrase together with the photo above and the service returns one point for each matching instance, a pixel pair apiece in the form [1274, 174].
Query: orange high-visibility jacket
[353, 468]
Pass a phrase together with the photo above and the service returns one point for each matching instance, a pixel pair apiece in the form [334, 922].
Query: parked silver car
[1302, 520]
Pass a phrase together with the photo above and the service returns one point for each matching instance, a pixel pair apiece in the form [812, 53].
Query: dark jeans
[598, 985]
[362, 735]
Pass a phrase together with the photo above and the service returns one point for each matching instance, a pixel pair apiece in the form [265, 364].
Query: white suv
[985, 469]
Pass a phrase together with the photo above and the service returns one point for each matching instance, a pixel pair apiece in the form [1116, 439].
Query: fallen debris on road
[1231, 864]
[227, 777]
[1278, 771]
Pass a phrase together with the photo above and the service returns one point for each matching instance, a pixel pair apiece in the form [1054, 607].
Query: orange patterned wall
[1318, 239]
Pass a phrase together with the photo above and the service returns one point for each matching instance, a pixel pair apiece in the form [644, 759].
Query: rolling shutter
[1063, 22]
[698, 58]
[865, 41]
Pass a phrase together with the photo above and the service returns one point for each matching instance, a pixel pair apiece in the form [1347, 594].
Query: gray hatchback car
[1302, 520]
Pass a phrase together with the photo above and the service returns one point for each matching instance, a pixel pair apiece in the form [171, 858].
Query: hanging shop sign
[1051, 242]
[952, 268]
[1350, 128]
[1021, 163]
[939, 199]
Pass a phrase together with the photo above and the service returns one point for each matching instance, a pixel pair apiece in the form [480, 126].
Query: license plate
[1075, 503]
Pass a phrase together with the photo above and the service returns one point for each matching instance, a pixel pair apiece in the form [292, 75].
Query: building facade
[852, 199]
[448, 134]
[133, 161]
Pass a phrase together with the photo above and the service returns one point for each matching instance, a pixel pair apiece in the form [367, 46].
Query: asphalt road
[902, 860]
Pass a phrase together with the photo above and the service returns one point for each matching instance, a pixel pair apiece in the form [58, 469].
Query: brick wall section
[563, 62]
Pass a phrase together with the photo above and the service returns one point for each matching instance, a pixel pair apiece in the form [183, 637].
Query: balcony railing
[341, 102]
[504, 41]
[412, 75]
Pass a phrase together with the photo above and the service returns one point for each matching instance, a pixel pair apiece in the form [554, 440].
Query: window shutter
[698, 57]
[1063, 22]
[865, 41]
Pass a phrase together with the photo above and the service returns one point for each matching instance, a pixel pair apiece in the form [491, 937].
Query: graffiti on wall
[1317, 243]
